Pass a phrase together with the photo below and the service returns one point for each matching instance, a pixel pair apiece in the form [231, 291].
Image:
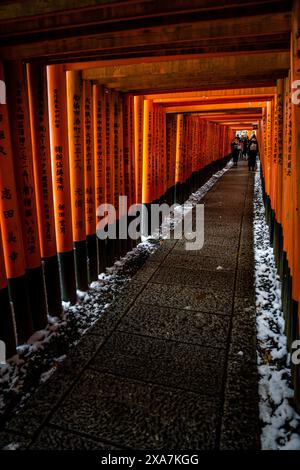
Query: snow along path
[280, 422]
[37, 360]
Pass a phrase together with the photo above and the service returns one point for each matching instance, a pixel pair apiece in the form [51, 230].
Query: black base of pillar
[67, 276]
[80, 256]
[146, 223]
[91, 243]
[271, 227]
[19, 296]
[110, 248]
[7, 331]
[37, 297]
[51, 274]
[169, 196]
[102, 255]
[178, 193]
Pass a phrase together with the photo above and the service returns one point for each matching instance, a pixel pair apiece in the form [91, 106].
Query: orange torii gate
[87, 145]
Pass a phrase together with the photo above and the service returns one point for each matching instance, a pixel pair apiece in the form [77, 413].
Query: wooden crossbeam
[193, 73]
[213, 94]
[99, 33]
[230, 107]
[263, 62]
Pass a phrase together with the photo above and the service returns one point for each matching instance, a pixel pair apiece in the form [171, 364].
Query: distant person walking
[235, 151]
[245, 143]
[252, 153]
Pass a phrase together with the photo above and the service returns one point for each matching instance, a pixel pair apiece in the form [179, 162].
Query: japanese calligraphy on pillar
[60, 156]
[109, 147]
[121, 146]
[163, 149]
[288, 129]
[89, 166]
[38, 107]
[179, 149]
[127, 135]
[76, 152]
[23, 163]
[9, 212]
[168, 149]
[99, 121]
[132, 169]
[138, 144]
[147, 152]
[116, 162]
[279, 126]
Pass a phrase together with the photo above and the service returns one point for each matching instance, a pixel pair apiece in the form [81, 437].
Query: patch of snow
[180, 211]
[278, 417]
[12, 446]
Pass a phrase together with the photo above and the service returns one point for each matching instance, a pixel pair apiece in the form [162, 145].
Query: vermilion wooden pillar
[169, 155]
[77, 170]
[39, 119]
[147, 189]
[110, 167]
[11, 231]
[89, 182]
[138, 146]
[121, 169]
[57, 102]
[129, 156]
[179, 159]
[128, 183]
[132, 162]
[99, 123]
[23, 167]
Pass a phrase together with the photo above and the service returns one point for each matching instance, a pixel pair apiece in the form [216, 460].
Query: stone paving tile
[227, 231]
[146, 272]
[206, 329]
[205, 263]
[169, 363]
[211, 250]
[165, 248]
[240, 426]
[243, 336]
[245, 282]
[205, 279]
[245, 260]
[202, 300]
[244, 303]
[111, 317]
[42, 403]
[221, 217]
[59, 439]
[222, 242]
[132, 414]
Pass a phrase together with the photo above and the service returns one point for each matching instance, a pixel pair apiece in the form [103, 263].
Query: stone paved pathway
[172, 363]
